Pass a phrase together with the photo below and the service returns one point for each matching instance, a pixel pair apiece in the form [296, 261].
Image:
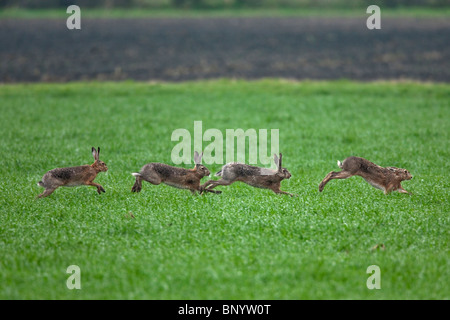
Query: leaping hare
[73, 176]
[387, 179]
[254, 176]
[155, 173]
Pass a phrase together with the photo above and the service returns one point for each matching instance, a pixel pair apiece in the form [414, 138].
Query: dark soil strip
[251, 48]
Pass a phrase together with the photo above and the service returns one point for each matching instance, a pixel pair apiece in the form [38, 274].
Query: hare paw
[100, 190]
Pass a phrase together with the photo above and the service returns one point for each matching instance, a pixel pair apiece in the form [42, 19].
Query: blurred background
[223, 3]
[177, 40]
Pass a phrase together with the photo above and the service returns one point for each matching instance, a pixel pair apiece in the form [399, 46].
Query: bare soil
[185, 49]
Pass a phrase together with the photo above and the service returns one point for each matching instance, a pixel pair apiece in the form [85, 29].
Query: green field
[245, 243]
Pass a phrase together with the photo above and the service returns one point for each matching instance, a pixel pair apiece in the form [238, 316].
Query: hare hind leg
[212, 191]
[334, 175]
[211, 184]
[152, 178]
[46, 193]
[206, 184]
[137, 187]
[204, 188]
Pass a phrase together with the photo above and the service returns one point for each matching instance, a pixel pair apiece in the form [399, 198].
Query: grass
[245, 243]
[21, 13]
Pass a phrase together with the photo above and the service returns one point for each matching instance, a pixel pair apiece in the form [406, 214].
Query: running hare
[155, 173]
[254, 176]
[73, 176]
[387, 179]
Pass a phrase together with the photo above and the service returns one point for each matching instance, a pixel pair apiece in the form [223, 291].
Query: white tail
[339, 164]
[136, 174]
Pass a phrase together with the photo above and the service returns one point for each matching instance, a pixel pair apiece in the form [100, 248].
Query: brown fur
[156, 173]
[253, 176]
[73, 176]
[387, 179]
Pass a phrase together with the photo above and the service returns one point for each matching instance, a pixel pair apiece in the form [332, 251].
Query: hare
[387, 179]
[254, 176]
[156, 173]
[73, 176]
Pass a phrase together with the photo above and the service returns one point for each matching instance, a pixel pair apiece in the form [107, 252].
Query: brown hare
[254, 176]
[73, 176]
[387, 179]
[155, 173]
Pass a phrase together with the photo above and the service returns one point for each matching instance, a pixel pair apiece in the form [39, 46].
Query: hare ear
[196, 157]
[95, 153]
[280, 163]
[276, 160]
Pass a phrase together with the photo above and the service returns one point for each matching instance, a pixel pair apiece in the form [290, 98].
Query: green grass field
[245, 243]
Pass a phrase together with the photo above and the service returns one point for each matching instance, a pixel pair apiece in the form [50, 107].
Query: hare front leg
[98, 186]
[334, 175]
[201, 190]
[284, 192]
[197, 188]
[401, 190]
[394, 187]
[276, 189]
